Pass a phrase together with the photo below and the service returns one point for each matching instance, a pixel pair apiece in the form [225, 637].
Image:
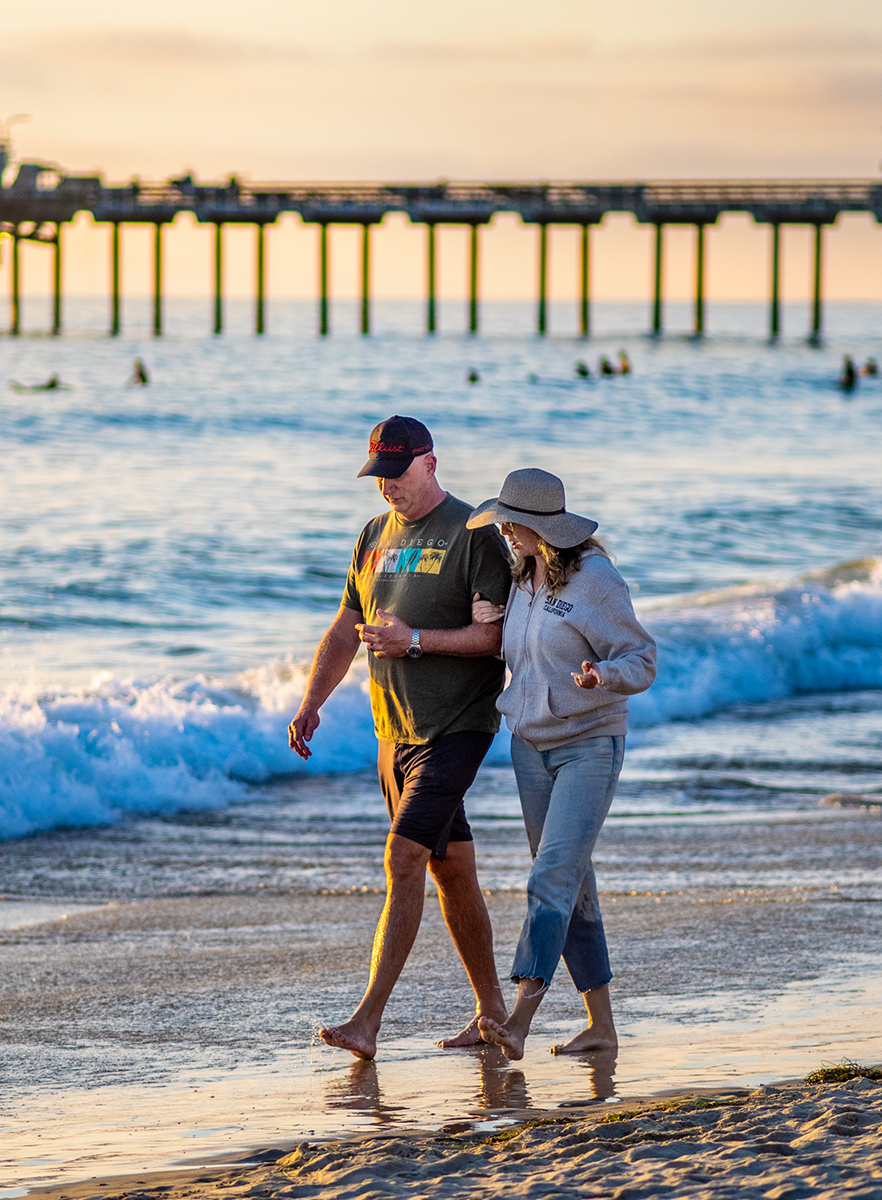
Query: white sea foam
[821, 633]
[119, 747]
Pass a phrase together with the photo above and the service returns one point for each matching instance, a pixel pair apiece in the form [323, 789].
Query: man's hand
[589, 677]
[389, 640]
[301, 729]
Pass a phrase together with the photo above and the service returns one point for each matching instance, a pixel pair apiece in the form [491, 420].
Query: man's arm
[392, 638]
[332, 660]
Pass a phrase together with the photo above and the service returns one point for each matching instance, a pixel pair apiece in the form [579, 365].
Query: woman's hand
[589, 676]
[485, 613]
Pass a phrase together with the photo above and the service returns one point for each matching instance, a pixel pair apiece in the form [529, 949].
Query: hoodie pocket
[563, 705]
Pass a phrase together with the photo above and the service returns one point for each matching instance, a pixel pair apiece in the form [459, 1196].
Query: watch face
[415, 651]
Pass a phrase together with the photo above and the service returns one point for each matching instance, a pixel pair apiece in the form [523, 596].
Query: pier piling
[218, 277]
[259, 324]
[584, 301]
[56, 282]
[698, 330]
[157, 279]
[15, 326]
[114, 281]
[657, 289]
[815, 336]
[365, 279]
[324, 325]
[775, 306]
[542, 316]
[431, 325]
[473, 280]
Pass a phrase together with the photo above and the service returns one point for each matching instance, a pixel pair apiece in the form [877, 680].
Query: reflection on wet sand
[499, 1085]
[601, 1067]
[359, 1090]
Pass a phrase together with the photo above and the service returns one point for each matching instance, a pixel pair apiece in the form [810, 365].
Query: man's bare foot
[511, 1044]
[350, 1037]
[469, 1036]
[586, 1041]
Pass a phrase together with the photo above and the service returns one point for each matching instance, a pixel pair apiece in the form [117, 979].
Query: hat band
[534, 512]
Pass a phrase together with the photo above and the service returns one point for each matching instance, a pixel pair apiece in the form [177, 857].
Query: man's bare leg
[467, 919]
[600, 1032]
[396, 931]
[511, 1035]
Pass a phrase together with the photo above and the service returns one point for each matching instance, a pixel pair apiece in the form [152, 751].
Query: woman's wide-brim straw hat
[535, 498]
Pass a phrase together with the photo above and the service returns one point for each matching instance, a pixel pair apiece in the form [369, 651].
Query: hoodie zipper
[525, 653]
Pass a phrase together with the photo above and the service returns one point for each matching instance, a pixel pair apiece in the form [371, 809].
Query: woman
[575, 650]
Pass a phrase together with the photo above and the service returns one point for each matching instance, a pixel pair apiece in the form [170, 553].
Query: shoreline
[189, 1024]
[790, 1138]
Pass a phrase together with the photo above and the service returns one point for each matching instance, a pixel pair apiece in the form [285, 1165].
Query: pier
[40, 199]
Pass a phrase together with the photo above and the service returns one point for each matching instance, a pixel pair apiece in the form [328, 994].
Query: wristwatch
[415, 650]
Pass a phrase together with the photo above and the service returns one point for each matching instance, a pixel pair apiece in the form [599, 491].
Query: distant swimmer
[52, 384]
[532, 378]
[473, 377]
[582, 369]
[605, 367]
[624, 363]
[870, 367]
[139, 376]
[848, 379]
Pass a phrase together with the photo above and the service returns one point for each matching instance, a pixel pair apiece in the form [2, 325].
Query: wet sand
[790, 1140]
[176, 1030]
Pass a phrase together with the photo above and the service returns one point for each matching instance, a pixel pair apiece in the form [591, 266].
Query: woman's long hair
[560, 564]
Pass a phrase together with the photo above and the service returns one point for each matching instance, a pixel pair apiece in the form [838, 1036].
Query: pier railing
[40, 200]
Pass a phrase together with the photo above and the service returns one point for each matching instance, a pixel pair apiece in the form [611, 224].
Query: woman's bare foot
[586, 1041]
[352, 1037]
[510, 1042]
[600, 1032]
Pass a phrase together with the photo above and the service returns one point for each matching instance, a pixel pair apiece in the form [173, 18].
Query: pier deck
[40, 200]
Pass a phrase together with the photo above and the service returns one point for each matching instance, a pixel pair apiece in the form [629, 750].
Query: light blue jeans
[565, 796]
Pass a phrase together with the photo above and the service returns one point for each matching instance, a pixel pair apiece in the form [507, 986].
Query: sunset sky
[279, 89]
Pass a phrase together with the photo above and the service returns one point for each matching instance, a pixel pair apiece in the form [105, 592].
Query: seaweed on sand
[843, 1071]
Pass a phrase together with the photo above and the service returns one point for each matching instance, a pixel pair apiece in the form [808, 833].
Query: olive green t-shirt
[426, 572]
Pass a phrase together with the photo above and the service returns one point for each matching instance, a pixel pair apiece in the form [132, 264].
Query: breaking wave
[118, 747]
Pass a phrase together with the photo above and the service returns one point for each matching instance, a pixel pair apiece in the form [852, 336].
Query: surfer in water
[52, 384]
[848, 378]
[605, 367]
[582, 369]
[139, 376]
[624, 363]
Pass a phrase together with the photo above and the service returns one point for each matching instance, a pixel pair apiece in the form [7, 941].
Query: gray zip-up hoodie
[546, 637]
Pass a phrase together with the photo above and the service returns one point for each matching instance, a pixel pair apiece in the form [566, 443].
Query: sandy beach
[792, 1139]
[148, 1036]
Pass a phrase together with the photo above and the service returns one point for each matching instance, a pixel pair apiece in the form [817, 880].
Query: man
[435, 675]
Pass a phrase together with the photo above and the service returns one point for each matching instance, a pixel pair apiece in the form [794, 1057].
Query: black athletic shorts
[424, 786]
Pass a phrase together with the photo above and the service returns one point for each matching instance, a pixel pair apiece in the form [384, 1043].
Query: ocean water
[170, 555]
[183, 901]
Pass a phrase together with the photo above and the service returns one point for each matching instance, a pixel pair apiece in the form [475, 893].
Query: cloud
[148, 51]
[154, 100]
[780, 45]
[499, 52]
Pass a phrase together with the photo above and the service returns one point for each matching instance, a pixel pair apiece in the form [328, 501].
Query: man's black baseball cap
[395, 443]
